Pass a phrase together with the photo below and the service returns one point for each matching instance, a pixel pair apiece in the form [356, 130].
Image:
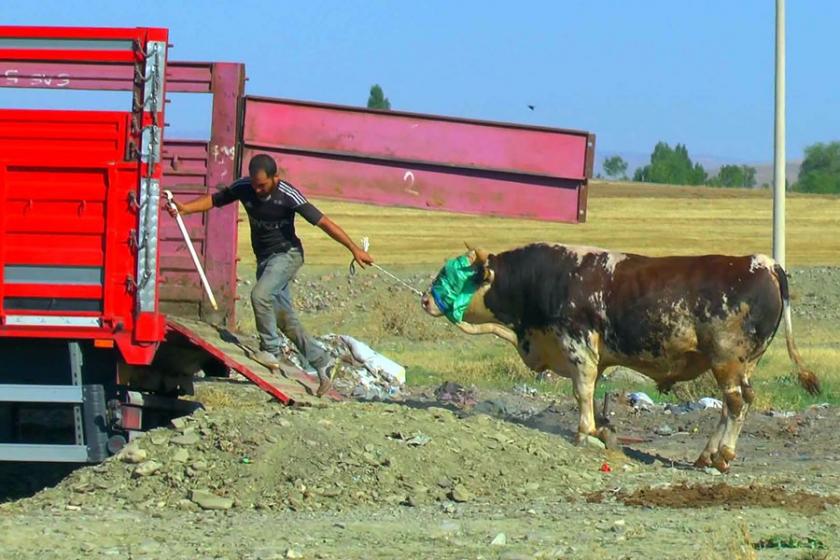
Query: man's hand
[200, 204]
[174, 208]
[362, 257]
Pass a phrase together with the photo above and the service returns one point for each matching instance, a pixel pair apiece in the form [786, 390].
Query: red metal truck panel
[73, 44]
[79, 196]
[422, 161]
[57, 134]
[191, 168]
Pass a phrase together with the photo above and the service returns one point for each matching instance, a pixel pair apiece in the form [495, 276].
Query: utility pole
[779, 154]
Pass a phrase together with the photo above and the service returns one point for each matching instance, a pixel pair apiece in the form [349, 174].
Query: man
[271, 205]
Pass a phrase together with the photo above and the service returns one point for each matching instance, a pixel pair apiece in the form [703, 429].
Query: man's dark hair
[262, 162]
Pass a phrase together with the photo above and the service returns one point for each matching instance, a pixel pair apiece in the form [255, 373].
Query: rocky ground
[430, 477]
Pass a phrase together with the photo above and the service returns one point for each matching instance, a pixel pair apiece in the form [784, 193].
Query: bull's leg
[729, 440]
[731, 377]
[705, 459]
[583, 384]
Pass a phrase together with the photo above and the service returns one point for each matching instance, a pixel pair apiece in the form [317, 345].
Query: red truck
[97, 290]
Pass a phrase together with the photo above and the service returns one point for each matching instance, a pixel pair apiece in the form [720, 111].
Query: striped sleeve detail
[292, 193]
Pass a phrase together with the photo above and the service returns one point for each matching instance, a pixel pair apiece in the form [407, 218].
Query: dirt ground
[490, 475]
[424, 478]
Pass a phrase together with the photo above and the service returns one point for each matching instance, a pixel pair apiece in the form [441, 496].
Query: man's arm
[334, 230]
[200, 204]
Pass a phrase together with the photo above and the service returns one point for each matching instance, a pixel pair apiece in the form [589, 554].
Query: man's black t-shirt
[272, 219]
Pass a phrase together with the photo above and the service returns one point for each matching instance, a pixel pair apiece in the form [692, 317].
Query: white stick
[188, 241]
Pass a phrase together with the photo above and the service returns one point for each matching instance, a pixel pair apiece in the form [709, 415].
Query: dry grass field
[648, 219]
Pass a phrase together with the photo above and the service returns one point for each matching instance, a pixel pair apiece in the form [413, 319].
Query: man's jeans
[272, 302]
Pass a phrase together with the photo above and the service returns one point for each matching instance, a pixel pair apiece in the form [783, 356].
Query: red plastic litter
[605, 468]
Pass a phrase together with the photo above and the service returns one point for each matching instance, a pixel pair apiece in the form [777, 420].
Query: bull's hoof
[704, 461]
[609, 438]
[721, 465]
[722, 459]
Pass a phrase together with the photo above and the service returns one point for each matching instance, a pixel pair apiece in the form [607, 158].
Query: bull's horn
[490, 328]
[481, 255]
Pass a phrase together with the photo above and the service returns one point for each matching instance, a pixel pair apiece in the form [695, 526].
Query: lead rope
[365, 246]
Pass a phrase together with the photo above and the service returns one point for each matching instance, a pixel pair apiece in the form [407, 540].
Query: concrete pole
[779, 155]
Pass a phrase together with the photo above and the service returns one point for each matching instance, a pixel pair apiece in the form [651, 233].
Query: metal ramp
[290, 385]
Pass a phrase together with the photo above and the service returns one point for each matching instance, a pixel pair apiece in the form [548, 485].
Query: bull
[577, 311]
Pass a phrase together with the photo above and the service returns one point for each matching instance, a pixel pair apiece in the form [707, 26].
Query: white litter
[640, 400]
[709, 402]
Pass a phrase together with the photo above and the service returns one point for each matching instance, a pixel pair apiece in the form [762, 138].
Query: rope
[365, 245]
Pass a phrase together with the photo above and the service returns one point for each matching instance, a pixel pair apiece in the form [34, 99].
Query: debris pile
[243, 455]
[363, 373]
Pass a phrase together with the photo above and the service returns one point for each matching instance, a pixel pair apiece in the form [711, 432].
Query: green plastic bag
[454, 287]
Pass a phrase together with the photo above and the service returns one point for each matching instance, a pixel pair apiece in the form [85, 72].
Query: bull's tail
[807, 378]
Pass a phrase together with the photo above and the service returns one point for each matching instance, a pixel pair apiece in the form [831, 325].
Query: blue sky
[632, 72]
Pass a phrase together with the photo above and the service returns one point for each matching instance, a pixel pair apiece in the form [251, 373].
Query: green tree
[671, 166]
[377, 99]
[615, 167]
[734, 176]
[820, 170]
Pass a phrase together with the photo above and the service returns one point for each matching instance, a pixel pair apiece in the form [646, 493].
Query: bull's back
[654, 300]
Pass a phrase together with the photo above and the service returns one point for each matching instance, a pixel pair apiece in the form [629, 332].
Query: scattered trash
[683, 408]
[709, 402]
[781, 414]
[664, 430]
[364, 373]
[525, 389]
[456, 394]
[605, 468]
[640, 401]
[374, 362]
[416, 440]
[499, 540]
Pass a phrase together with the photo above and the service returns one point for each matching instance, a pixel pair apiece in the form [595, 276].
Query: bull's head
[458, 293]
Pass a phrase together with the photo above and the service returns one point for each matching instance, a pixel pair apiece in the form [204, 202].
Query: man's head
[263, 172]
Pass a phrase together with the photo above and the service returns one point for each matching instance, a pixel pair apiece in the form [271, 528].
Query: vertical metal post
[228, 86]
[76, 377]
[779, 155]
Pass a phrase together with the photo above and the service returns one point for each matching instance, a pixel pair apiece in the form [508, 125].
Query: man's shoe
[267, 359]
[326, 375]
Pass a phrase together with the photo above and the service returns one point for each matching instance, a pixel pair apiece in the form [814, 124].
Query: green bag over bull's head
[454, 287]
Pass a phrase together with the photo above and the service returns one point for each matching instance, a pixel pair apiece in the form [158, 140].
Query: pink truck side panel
[426, 187]
[422, 161]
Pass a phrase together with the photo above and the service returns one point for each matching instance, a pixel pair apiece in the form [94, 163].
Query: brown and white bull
[576, 311]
